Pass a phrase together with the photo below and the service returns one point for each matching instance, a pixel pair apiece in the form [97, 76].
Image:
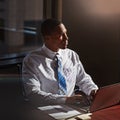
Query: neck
[52, 48]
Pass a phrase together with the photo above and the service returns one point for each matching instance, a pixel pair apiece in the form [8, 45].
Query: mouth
[66, 43]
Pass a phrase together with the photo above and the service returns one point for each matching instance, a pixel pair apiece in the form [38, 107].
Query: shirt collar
[51, 54]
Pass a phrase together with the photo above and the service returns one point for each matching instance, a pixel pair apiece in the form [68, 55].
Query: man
[40, 73]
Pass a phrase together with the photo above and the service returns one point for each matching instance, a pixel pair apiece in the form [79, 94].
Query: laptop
[105, 97]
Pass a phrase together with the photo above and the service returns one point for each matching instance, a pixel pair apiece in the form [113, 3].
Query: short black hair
[48, 26]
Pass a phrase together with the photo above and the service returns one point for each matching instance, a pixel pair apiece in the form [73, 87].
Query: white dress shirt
[39, 76]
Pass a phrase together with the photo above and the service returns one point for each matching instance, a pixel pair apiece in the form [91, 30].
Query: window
[19, 23]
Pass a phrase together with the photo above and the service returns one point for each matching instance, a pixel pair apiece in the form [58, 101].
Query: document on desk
[106, 97]
[86, 116]
[60, 112]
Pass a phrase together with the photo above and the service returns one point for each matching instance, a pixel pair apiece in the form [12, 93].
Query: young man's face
[58, 39]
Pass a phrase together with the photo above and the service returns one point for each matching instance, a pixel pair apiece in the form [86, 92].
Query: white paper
[60, 111]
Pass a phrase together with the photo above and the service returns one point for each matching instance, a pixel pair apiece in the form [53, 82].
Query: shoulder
[70, 52]
[33, 55]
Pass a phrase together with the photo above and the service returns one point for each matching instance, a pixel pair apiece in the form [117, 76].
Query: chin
[64, 47]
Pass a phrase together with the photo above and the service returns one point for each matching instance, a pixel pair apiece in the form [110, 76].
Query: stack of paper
[60, 112]
[86, 116]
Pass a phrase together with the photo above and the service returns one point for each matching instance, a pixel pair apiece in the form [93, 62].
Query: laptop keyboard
[84, 105]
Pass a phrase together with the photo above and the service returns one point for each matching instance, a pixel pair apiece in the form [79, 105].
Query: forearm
[87, 85]
[43, 98]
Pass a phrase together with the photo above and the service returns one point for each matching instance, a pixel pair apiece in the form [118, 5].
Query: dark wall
[95, 36]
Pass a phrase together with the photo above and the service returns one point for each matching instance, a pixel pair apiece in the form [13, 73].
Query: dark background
[95, 36]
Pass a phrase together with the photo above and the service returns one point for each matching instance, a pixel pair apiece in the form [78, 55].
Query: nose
[65, 36]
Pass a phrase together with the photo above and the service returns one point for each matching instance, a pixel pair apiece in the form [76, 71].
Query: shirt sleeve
[32, 86]
[83, 80]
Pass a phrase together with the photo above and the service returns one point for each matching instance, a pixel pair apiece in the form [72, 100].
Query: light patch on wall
[103, 8]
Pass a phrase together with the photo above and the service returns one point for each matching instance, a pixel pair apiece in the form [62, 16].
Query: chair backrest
[21, 82]
[10, 72]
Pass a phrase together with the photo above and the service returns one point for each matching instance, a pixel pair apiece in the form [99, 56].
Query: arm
[33, 89]
[84, 81]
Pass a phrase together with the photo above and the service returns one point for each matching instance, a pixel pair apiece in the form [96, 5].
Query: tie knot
[58, 57]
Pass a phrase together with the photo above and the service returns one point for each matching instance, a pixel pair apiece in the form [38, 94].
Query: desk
[16, 109]
[112, 113]
[13, 107]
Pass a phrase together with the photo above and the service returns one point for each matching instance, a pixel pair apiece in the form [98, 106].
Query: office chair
[21, 81]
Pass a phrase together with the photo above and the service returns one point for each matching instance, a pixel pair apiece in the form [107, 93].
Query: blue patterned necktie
[60, 77]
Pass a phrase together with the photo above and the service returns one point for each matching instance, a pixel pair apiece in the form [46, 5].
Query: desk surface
[16, 110]
[112, 113]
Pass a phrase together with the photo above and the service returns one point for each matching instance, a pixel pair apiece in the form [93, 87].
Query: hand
[74, 99]
[92, 94]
